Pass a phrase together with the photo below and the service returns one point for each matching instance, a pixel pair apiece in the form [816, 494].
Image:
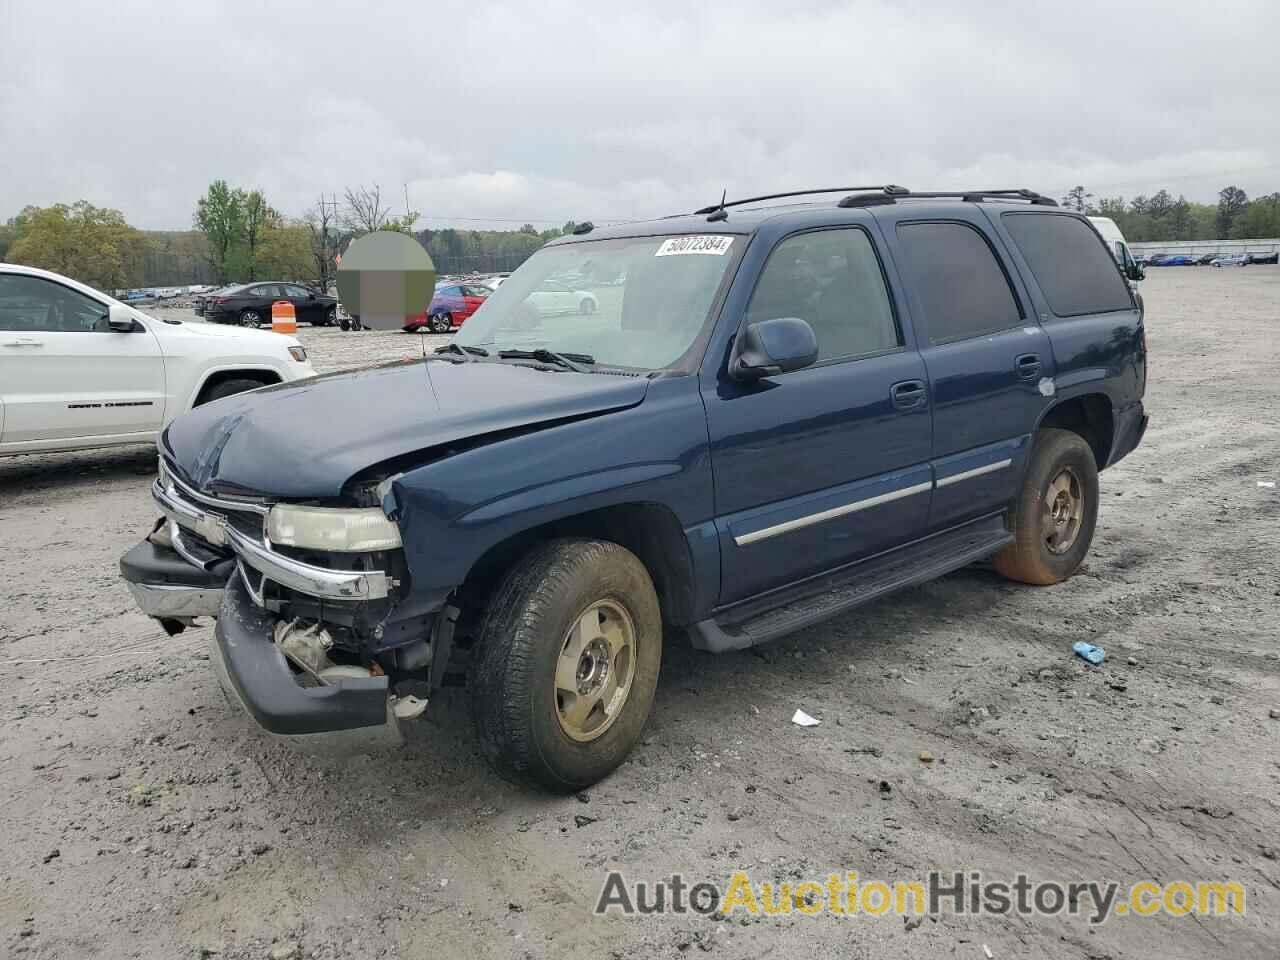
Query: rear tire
[226, 388]
[569, 619]
[1055, 513]
[440, 322]
[250, 318]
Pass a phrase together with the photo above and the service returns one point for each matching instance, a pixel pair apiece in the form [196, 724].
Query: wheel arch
[265, 375]
[1092, 416]
[649, 530]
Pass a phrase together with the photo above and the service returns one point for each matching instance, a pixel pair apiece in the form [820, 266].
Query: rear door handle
[908, 394]
[24, 342]
[1028, 366]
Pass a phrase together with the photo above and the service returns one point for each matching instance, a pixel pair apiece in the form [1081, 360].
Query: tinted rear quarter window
[963, 289]
[1070, 263]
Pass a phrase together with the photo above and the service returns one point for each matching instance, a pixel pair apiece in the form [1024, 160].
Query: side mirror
[1133, 270]
[769, 347]
[120, 318]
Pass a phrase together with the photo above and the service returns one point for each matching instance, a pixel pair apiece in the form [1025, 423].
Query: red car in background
[449, 307]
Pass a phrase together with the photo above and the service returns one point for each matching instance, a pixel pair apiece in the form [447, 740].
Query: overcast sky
[552, 111]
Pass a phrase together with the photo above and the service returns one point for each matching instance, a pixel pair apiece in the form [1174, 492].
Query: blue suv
[773, 414]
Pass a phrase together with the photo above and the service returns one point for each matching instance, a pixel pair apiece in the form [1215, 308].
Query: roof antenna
[720, 213]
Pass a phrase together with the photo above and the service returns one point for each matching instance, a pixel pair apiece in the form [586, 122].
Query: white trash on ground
[802, 719]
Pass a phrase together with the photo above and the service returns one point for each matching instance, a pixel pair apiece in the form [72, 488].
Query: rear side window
[1073, 269]
[963, 289]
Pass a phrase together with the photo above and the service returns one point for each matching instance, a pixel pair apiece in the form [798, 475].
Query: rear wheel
[587, 306]
[1056, 511]
[567, 665]
[250, 318]
[440, 322]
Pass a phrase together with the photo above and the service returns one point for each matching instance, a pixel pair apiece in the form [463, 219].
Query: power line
[1156, 178]
[601, 220]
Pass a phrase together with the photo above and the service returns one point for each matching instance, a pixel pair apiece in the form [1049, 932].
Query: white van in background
[1115, 240]
[1119, 248]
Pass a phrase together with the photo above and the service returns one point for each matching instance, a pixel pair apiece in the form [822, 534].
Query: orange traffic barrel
[283, 319]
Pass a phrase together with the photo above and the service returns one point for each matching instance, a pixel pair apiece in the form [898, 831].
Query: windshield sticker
[678, 246]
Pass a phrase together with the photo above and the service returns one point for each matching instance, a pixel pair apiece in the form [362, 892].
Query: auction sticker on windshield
[677, 246]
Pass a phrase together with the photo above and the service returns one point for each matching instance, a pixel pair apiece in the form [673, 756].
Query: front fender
[454, 510]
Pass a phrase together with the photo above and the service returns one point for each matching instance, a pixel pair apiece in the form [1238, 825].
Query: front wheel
[330, 317]
[587, 307]
[1055, 513]
[567, 665]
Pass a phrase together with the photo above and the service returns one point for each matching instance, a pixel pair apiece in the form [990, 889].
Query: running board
[759, 620]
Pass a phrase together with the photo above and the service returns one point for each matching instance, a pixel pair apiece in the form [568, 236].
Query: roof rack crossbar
[887, 188]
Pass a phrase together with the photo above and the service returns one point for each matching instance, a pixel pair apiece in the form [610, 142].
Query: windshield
[639, 302]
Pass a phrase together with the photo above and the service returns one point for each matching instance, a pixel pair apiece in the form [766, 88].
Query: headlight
[340, 529]
[298, 353]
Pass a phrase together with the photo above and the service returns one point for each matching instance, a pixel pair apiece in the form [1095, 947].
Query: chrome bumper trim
[173, 600]
[303, 577]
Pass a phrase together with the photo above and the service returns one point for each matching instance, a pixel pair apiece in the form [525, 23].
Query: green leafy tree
[284, 252]
[1231, 203]
[1259, 219]
[220, 216]
[94, 245]
[259, 218]
[1160, 205]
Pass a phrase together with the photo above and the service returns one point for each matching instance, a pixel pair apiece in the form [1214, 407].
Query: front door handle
[23, 342]
[908, 394]
[1028, 366]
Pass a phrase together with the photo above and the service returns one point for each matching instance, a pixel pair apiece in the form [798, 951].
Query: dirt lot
[142, 818]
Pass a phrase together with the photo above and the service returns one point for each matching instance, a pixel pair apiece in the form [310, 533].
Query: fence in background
[1222, 248]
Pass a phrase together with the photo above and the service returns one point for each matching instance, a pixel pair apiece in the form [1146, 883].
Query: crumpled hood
[307, 438]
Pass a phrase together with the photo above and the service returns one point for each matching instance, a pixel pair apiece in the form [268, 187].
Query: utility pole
[327, 266]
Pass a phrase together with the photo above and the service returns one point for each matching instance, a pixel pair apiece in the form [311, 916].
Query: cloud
[490, 110]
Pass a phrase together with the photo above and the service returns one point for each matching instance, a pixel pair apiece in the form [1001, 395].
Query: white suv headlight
[340, 529]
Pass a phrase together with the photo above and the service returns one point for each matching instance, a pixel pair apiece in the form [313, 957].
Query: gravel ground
[142, 817]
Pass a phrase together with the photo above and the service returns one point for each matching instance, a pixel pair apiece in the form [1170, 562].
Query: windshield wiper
[571, 361]
[465, 351]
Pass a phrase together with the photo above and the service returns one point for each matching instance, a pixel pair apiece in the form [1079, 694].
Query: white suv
[79, 369]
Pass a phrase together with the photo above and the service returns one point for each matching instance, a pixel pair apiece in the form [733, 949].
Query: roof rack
[885, 188]
[865, 198]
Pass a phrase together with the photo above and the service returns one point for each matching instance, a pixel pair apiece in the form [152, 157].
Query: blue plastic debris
[1090, 653]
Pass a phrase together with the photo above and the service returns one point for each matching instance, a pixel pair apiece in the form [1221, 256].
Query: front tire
[330, 317]
[1055, 513]
[567, 664]
[587, 307]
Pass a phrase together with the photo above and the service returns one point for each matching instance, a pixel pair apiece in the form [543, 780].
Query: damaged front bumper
[254, 672]
[278, 619]
[171, 589]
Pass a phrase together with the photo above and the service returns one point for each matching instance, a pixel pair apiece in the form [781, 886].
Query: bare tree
[364, 212]
[321, 223]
